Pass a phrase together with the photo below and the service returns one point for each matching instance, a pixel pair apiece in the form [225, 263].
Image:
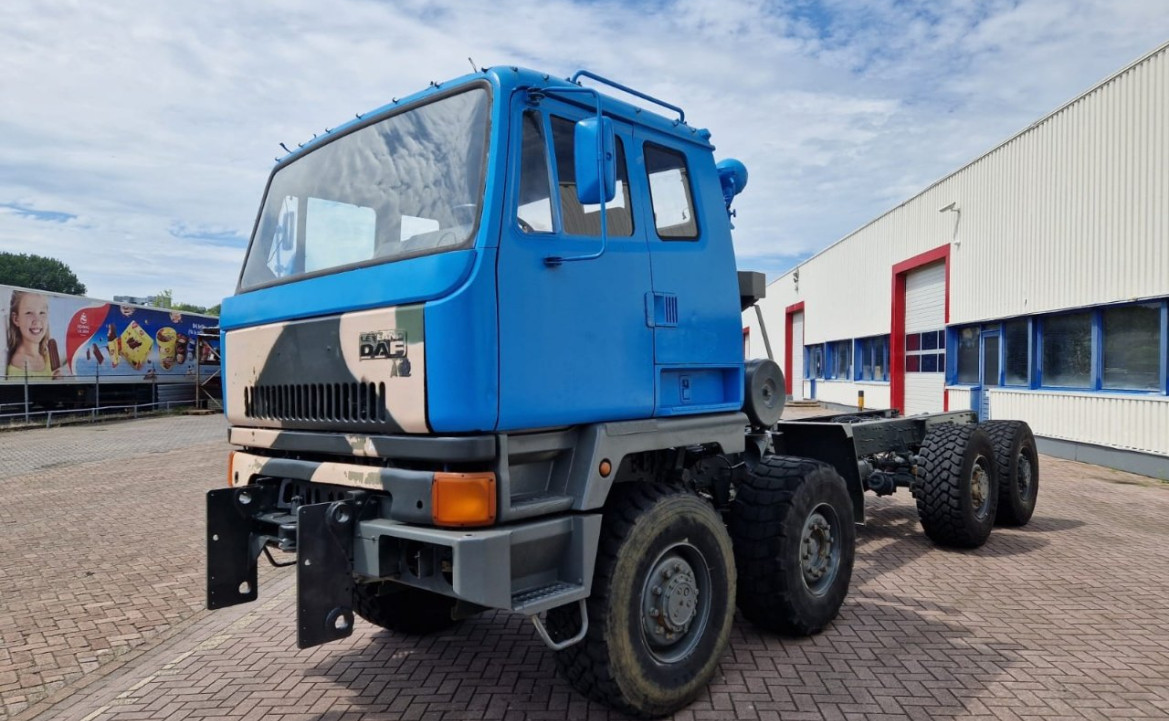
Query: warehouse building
[1032, 283]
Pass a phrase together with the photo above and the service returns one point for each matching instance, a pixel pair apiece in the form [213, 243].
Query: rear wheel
[794, 538]
[1018, 468]
[956, 488]
[662, 604]
[403, 609]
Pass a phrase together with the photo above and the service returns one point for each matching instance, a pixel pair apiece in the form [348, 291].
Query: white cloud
[154, 123]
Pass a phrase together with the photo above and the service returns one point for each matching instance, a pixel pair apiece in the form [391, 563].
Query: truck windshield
[409, 185]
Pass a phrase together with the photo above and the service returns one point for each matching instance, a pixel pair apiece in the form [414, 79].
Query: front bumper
[354, 536]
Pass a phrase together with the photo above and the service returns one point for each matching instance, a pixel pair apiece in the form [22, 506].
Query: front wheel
[662, 604]
[794, 538]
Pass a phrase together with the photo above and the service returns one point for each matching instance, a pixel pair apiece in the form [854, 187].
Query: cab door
[574, 342]
[697, 321]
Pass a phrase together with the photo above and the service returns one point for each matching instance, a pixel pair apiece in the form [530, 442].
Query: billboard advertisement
[54, 337]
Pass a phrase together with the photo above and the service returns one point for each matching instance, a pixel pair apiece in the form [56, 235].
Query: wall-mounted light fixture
[953, 208]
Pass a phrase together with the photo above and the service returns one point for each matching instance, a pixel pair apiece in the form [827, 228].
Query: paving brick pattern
[1067, 618]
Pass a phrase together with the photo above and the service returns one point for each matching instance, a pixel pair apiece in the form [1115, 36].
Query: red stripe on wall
[897, 322]
[788, 312]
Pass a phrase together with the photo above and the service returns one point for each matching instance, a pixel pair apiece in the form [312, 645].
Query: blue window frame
[872, 359]
[838, 358]
[814, 361]
[1115, 348]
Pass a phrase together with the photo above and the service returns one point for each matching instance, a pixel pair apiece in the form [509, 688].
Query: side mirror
[596, 161]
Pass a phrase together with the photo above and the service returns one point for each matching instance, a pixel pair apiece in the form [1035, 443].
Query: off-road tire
[617, 663]
[954, 459]
[1018, 469]
[768, 523]
[407, 610]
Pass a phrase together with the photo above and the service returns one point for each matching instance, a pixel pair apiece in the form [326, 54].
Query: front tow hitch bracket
[233, 544]
[324, 572]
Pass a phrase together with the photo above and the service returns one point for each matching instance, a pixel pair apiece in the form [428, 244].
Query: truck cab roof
[506, 80]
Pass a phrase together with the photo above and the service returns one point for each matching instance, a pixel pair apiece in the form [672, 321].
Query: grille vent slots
[352, 402]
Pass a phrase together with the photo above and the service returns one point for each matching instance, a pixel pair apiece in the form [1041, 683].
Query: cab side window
[535, 202]
[586, 219]
[670, 191]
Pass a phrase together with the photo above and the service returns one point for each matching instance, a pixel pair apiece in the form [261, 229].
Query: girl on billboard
[30, 349]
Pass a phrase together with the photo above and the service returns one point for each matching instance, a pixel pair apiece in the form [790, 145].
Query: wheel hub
[1023, 478]
[819, 550]
[980, 488]
[673, 599]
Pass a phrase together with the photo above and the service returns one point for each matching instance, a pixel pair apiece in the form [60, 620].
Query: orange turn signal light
[231, 468]
[463, 499]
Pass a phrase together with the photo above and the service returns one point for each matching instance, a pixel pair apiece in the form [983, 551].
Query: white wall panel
[924, 392]
[925, 299]
[1072, 211]
[876, 395]
[839, 392]
[958, 399]
[1138, 423]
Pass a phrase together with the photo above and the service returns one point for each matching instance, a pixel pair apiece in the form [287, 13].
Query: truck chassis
[764, 514]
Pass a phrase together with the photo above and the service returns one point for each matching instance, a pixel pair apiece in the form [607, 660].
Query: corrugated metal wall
[1138, 423]
[1071, 212]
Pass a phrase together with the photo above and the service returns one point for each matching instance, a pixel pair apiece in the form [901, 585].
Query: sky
[136, 136]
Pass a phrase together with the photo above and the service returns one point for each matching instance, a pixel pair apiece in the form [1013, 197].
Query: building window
[1132, 347]
[1067, 350]
[925, 352]
[840, 360]
[968, 355]
[873, 358]
[1017, 334]
[814, 368]
[669, 189]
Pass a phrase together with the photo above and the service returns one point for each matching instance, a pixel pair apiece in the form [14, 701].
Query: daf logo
[383, 344]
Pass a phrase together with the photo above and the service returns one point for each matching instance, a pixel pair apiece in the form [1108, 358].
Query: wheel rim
[980, 488]
[820, 549]
[675, 603]
[1024, 475]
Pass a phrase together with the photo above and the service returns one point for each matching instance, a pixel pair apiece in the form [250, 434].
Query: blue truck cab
[451, 221]
[468, 323]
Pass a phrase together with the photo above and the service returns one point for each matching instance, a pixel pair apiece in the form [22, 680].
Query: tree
[166, 299]
[39, 273]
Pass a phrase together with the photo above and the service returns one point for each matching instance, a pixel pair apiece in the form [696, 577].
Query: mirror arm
[555, 260]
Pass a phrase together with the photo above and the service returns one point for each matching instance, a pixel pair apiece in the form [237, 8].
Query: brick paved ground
[1066, 618]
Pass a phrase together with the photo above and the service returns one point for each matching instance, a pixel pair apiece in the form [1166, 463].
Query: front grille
[348, 402]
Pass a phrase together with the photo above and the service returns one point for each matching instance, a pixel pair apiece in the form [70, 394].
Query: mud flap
[324, 572]
[232, 547]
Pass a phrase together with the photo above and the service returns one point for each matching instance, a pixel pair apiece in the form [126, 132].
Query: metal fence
[26, 417]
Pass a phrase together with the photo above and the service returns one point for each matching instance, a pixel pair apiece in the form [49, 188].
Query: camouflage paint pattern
[369, 478]
[308, 374]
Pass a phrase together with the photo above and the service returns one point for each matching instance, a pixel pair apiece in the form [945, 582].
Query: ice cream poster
[52, 336]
